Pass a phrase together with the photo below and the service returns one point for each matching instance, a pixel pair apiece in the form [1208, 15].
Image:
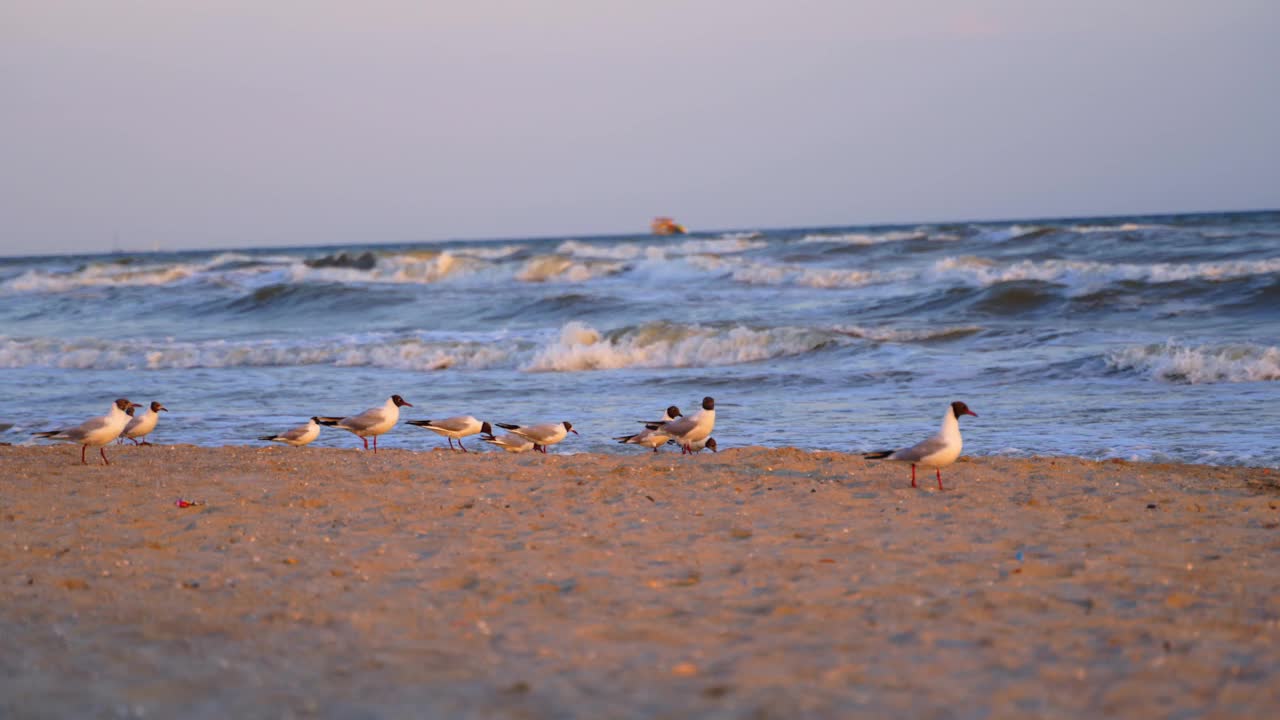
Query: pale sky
[249, 122]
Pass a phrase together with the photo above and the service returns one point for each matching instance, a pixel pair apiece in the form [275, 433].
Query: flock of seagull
[691, 432]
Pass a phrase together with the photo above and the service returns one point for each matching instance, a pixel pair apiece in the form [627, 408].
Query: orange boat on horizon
[666, 226]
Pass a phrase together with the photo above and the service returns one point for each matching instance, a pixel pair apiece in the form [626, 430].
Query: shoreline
[752, 582]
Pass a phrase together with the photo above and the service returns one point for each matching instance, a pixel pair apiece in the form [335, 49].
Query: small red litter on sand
[187, 503]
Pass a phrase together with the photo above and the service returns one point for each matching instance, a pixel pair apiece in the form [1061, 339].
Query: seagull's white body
[372, 422]
[547, 434]
[510, 442]
[701, 445]
[938, 451]
[454, 428]
[142, 425]
[692, 428]
[651, 437]
[541, 435]
[299, 436]
[97, 432]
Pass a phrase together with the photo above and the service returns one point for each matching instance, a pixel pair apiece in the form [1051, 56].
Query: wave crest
[661, 345]
[1195, 365]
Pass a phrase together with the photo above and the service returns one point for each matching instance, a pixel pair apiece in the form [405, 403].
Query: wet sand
[754, 583]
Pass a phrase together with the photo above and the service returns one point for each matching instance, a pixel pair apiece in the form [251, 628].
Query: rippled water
[1136, 337]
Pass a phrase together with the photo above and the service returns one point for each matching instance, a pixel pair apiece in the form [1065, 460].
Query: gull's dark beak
[970, 412]
[163, 408]
[575, 432]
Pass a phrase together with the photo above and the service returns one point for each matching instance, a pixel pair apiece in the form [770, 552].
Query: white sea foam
[864, 238]
[1122, 227]
[102, 274]
[400, 352]
[1195, 365]
[1086, 275]
[760, 273]
[662, 345]
[633, 251]
[547, 268]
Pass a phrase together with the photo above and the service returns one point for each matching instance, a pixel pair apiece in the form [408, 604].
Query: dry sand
[761, 583]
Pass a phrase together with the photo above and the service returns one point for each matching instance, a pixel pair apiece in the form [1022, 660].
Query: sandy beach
[754, 583]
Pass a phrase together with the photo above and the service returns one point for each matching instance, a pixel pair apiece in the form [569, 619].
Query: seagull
[510, 442]
[98, 432]
[691, 428]
[938, 451]
[370, 423]
[542, 435]
[651, 438]
[698, 446]
[299, 436]
[142, 425]
[455, 427]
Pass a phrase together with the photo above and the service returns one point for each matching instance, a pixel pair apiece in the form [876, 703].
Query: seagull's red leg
[135, 440]
[446, 437]
[375, 443]
[913, 474]
[460, 445]
[655, 448]
[103, 450]
[940, 479]
[82, 449]
[366, 442]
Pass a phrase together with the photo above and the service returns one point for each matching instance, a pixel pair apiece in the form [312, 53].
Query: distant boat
[666, 226]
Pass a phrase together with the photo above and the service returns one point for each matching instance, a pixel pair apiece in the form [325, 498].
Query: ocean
[1145, 338]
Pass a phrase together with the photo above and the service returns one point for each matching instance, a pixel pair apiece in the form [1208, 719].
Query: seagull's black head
[128, 411]
[315, 418]
[157, 407]
[399, 401]
[569, 427]
[958, 408]
[708, 403]
[124, 404]
[486, 428]
[711, 443]
[673, 412]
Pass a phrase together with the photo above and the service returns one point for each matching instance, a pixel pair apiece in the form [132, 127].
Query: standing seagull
[142, 425]
[455, 428]
[938, 451]
[510, 442]
[97, 432]
[690, 429]
[651, 438]
[370, 423]
[542, 435]
[299, 436]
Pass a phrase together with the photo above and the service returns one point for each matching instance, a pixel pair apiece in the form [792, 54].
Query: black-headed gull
[690, 428]
[698, 446]
[651, 438]
[98, 432]
[372, 422]
[542, 435]
[299, 436]
[510, 442]
[455, 428]
[142, 425]
[938, 451]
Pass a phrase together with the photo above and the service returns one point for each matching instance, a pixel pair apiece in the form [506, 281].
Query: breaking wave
[1195, 365]
[667, 345]
[1086, 276]
[576, 347]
